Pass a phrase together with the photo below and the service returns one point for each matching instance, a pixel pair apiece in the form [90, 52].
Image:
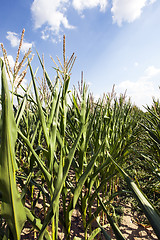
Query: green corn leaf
[94, 233]
[84, 176]
[41, 113]
[103, 183]
[12, 209]
[53, 134]
[105, 234]
[68, 162]
[37, 159]
[24, 191]
[151, 213]
[59, 186]
[82, 147]
[22, 106]
[152, 113]
[99, 209]
[46, 75]
[53, 105]
[114, 226]
[152, 135]
[63, 108]
[89, 129]
[76, 106]
[36, 223]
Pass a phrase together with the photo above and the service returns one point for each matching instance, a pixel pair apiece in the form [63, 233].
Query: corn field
[65, 151]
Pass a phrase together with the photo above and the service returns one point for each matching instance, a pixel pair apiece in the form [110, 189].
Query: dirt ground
[129, 227]
[132, 230]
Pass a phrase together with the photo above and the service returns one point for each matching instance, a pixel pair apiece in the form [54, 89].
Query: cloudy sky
[115, 41]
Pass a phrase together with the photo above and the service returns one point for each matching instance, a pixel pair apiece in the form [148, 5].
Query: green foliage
[11, 209]
[70, 156]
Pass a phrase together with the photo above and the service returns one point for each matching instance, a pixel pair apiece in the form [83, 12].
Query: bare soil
[131, 229]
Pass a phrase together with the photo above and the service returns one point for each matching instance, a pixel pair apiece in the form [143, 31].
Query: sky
[117, 42]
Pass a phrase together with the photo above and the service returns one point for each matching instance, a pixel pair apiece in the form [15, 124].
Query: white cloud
[152, 71]
[144, 89]
[152, 1]
[50, 13]
[15, 40]
[128, 10]
[11, 61]
[80, 5]
[44, 35]
[136, 64]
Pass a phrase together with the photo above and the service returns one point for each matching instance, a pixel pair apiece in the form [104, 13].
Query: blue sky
[115, 41]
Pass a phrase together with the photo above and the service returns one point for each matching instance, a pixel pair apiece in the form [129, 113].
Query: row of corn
[65, 151]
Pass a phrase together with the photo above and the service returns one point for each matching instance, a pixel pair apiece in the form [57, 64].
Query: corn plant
[149, 210]
[152, 129]
[12, 209]
[67, 156]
